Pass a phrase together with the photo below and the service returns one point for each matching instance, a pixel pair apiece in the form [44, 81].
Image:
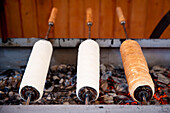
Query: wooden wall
[29, 18]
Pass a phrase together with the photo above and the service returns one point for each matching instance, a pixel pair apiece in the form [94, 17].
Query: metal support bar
[85, 109]
[113, 43]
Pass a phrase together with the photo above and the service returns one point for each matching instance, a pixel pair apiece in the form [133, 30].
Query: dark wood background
[29, 18]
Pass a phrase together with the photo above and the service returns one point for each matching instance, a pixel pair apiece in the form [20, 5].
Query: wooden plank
[13, 18]
[29, 20]
[166, 8]
[76, 19]
[138, 18]
[107, 17]
[3, 25]
[154, 15]
[94, 4]
[118, 31]
[61, 26]
[43, 13]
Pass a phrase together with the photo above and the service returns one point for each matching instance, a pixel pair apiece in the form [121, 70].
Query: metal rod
[28, 99]
[144, 98]
[48, 32]
[89, 31]
[123, 24]
[87, 99]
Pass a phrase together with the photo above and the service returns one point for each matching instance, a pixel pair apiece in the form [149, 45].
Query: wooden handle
[53, 15]
[120, 14]
[89, 15]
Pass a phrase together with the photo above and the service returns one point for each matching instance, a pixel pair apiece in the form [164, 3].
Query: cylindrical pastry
[136, 71]
[33, 80]
[88, 70]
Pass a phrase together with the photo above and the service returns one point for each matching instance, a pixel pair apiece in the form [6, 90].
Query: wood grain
[61, 26]
[29, 20]
[138, 18]
[76, 18]
[13, 19]
[118, 29]
[43, 13]
[107, 17]
[154, 14]
[94, 4]
[166, 8]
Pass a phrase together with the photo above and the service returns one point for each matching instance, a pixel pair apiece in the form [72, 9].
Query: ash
[60, 86]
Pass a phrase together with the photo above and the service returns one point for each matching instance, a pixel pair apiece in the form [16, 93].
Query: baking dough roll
[88, 67]
[37, 68]
[135, 66]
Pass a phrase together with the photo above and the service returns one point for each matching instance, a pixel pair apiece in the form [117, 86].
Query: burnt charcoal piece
[122, 88]
[163, 79]
[60, 87]
[48, 84]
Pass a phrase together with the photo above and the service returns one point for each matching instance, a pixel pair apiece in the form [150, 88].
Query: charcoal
[108, 99]
[54, 68]
[119, 80]
[122, 88]
[6, 89]
[97, 102]
[161, 85]
[61, 81]
[106, 75]
[67, 82]
[73, 80]
[110, 67]
[69, 73]
[61, 75]
[104, 85]
[163, 79]
[49, 89]
[9, 72]
[49, 97]
[60, 86]
[62, 68]
[11, 93]
[69, 87]
[2, 94]
[48, 84]
[55, 77]
[158, 68]
[66, 103]
[112, 94]
[122, 97]
[102, 68]
[155, 75]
